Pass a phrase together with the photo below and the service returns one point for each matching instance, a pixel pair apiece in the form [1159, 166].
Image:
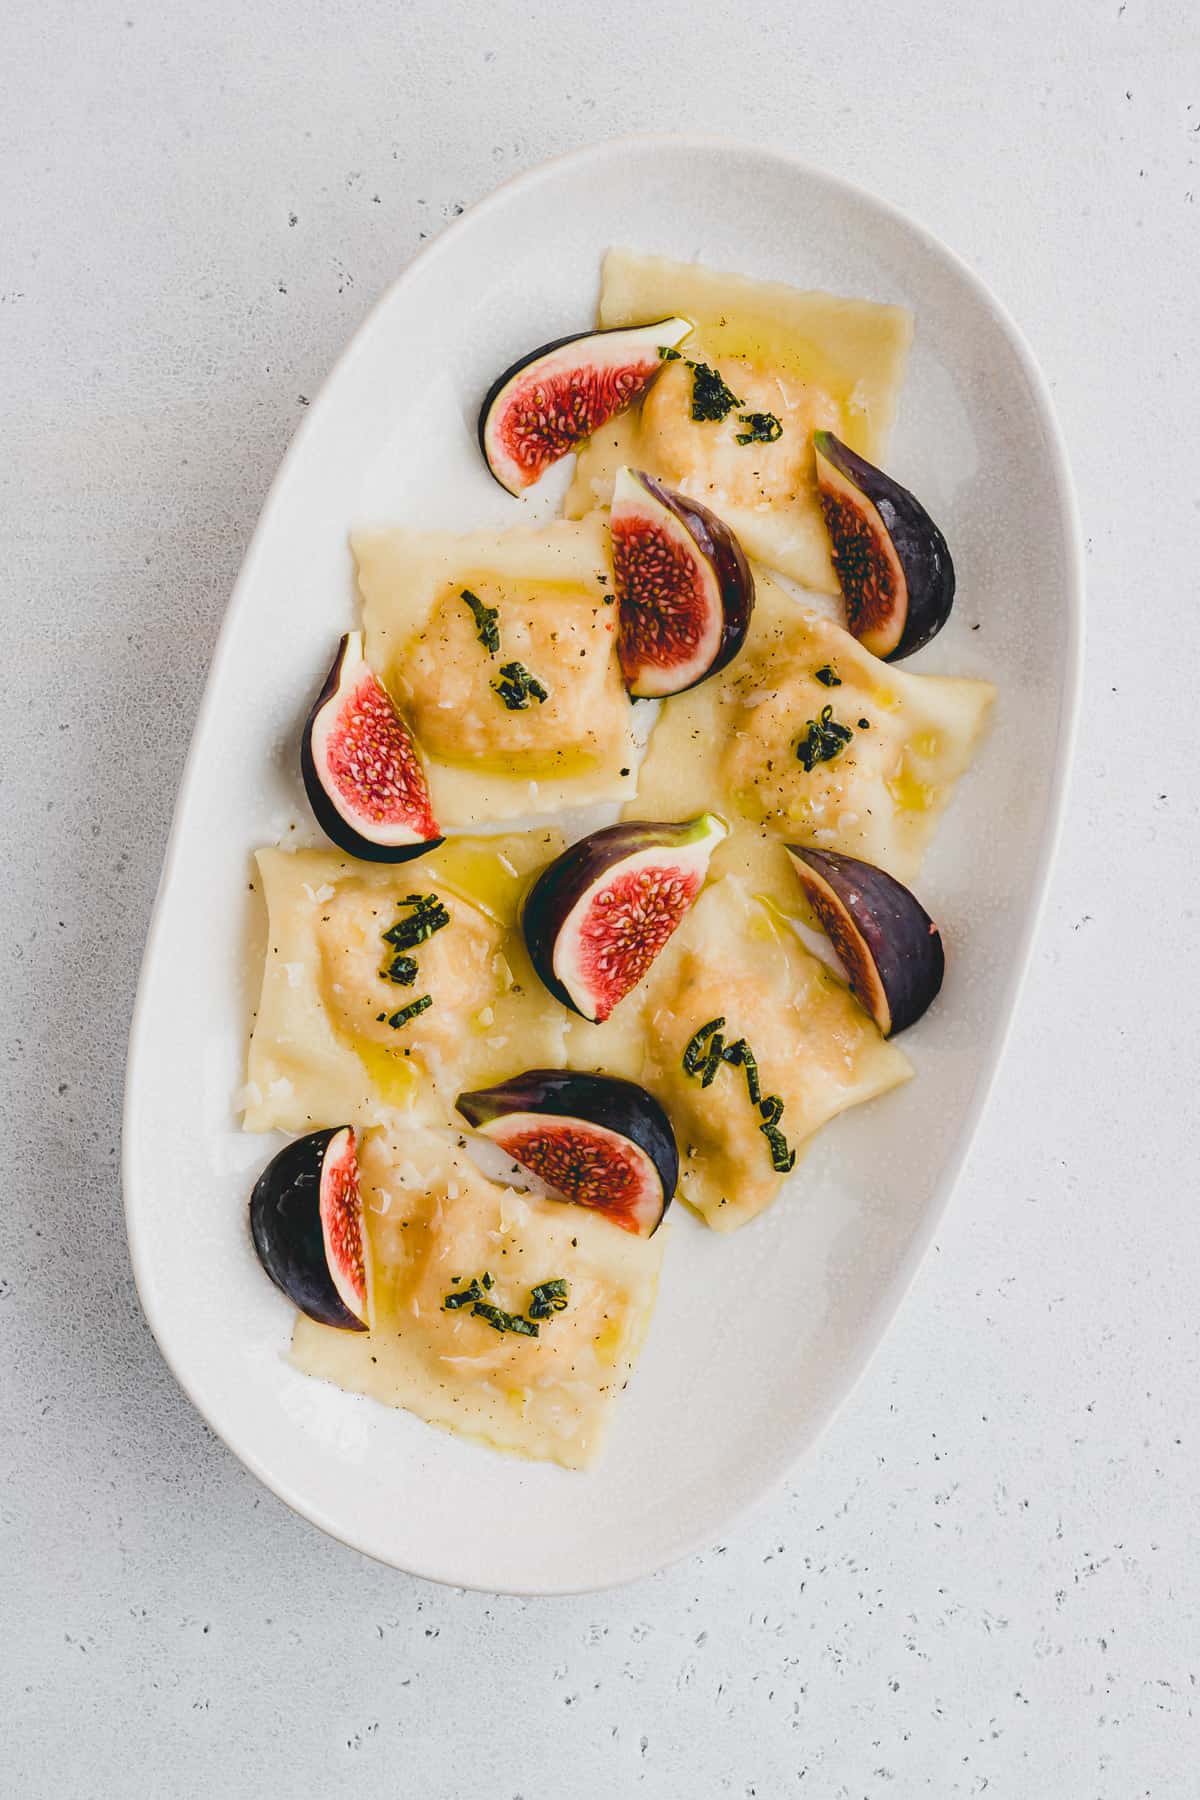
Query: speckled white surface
[985, 1580]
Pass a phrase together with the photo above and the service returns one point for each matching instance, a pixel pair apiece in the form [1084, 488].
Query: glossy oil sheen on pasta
[733, 743]
[736, 959]
[551, 591]
[323, 1051]
[814, 360]
[431, 1216]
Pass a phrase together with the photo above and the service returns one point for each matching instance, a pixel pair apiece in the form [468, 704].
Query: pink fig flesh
[599, 914]
[683, 585]
[546, 404]
[892, 563]
[595, 1140]
[361, 767]
[307, 1223]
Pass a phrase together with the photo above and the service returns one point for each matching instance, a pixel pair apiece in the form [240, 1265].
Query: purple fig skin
[285, 1222]
[889, 946]
[336, 828]
[564, 882]
[608, 1101]
[735, 580]
[522, 363]
[923, 552]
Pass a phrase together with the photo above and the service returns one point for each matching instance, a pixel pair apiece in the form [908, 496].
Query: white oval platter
[730, 1390]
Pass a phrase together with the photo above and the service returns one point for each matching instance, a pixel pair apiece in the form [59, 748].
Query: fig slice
[553, 398]
[596, 1140]
[887, 944]
[306, 1218]
[361, 767]
[599, 914]
[892, 563]
[683, 586]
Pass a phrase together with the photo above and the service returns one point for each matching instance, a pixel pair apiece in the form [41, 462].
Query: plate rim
[1051, 836]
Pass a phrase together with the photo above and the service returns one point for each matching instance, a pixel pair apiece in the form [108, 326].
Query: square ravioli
[736, 967]
[810, 360]
[808, 738]
[434, 1224]
[394, 986]
[500, 650]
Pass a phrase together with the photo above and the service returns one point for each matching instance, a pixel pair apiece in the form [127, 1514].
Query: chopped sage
[516, 686]
[549, 1297]
[823, 739]
[761, 428]
[399, 1019]
[771, 1109]
[429, 915]
[711, 399]
[828, 676]
[402, 970]
[695, 1053]
[485, 617]
[463, 1296]
[499, 1320]
[705, 1053]
[713, 1060]
[740, 1053]
[783, 1158]
[546, 1299]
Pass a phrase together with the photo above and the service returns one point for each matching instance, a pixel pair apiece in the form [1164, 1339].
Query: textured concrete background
[986, 1580]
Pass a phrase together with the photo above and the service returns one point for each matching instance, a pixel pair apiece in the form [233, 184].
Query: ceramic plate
[729, 1391]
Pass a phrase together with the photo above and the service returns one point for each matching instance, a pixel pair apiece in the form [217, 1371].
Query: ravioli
[815, 1048]
[433, 1224]
[813, 360]
[740, 742]
[541, 598]
[332, 1043]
